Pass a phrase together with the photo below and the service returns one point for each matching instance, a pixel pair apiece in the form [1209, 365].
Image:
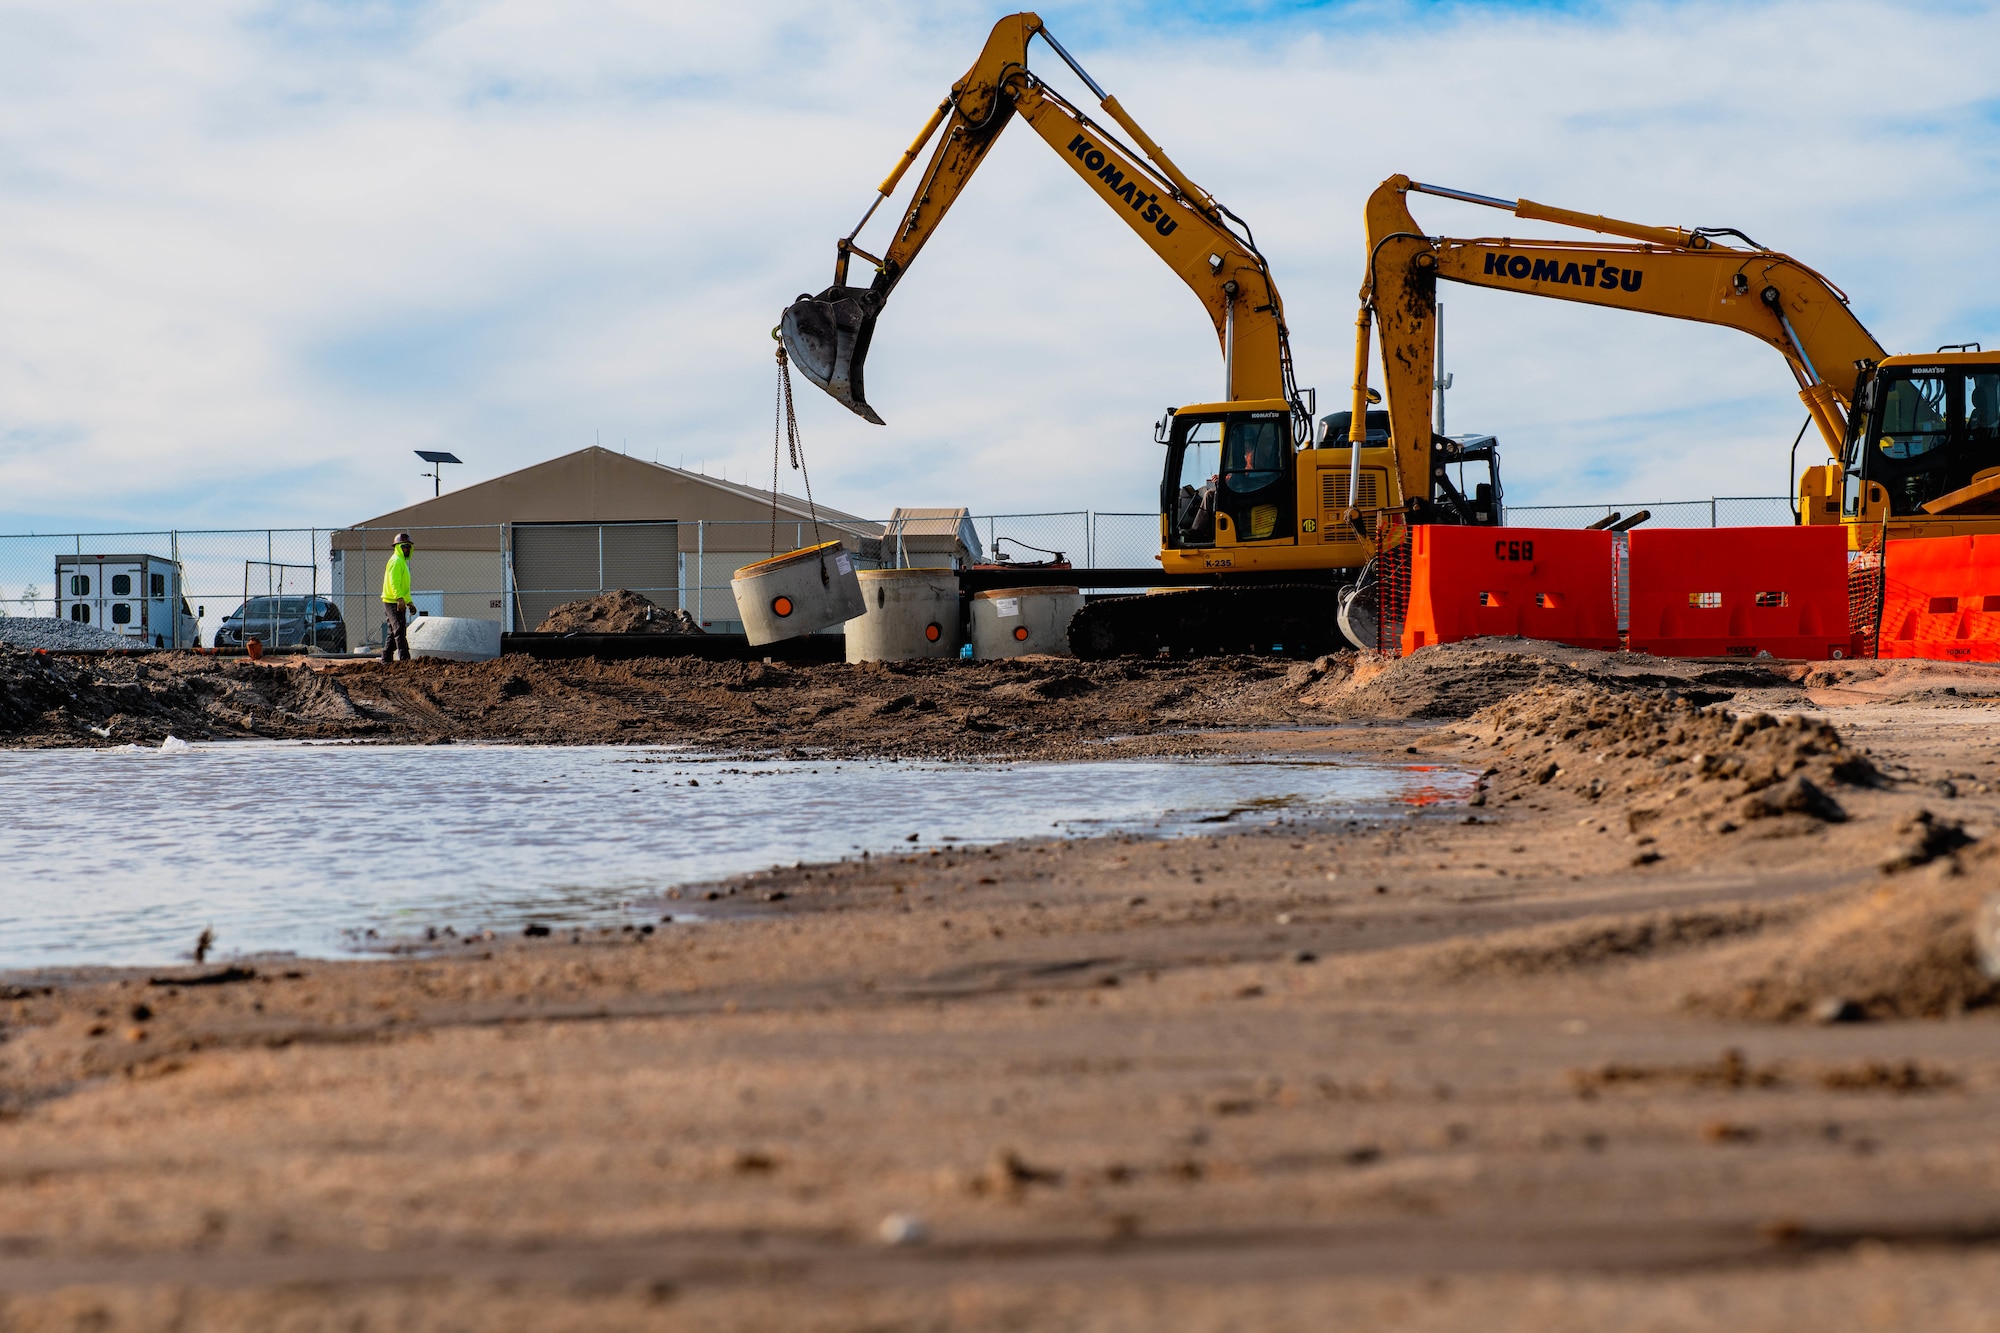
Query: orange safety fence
[1556, 584]
[1392, 582]
[1741, 592]
[1864, 598]
[1940, 599]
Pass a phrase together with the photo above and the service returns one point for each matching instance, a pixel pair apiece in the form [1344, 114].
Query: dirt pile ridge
[620, 611]
[1669, 759]
[1695, 780]
[1851, 684]
[1047, 707]
[1924, 945]
[1042, 707]
[1547, 951]
[1457, 679]
[52, 700]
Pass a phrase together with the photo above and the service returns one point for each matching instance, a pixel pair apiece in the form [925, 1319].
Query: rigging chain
[785, 438]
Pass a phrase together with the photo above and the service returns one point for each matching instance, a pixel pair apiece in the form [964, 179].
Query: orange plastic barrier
[1538, 583]
[1740, 592]
[1941, 599]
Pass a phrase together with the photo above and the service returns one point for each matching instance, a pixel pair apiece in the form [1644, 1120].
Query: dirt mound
[1018, 707]
[1673, 759]
[618, 612]
[1457, 679]
[1901, 681]
[48, 700]
[1921, 946]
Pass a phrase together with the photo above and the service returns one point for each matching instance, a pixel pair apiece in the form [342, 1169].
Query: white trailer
[137, 596]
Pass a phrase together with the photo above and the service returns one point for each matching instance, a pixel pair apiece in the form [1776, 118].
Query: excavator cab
[1229, 475]
[1924, 438]
[1457, 498]
[1465, 472]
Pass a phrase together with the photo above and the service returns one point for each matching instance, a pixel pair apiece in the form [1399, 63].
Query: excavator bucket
[826, 337]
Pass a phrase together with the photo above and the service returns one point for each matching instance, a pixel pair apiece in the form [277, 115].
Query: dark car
[284, 622]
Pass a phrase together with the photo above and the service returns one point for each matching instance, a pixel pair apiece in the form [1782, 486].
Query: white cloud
[251, 258]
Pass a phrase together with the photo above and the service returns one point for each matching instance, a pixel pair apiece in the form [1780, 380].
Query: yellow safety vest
[396, 578]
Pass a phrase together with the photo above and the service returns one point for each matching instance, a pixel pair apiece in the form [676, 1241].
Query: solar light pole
[435, 457]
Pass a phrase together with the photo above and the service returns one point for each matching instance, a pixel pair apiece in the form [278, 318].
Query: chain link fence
[1723, 511]
[517, 573]
[78, 576]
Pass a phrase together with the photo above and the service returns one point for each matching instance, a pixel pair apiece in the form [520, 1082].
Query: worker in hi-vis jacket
[396, 600]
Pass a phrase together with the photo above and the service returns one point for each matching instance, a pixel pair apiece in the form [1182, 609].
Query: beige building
[930, 539]
[513, 548]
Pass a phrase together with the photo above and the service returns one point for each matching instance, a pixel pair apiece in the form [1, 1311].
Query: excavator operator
[1195, 514]
[1255, 456]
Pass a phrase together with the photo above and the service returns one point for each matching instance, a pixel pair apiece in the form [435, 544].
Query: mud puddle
[125, 857]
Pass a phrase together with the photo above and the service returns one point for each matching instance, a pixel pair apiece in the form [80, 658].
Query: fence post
[506, 579]
[1711, 511]
[180, 584]
[700, 566]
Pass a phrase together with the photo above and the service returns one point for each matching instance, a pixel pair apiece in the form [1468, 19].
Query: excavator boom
[827, 335]
[1671, 271]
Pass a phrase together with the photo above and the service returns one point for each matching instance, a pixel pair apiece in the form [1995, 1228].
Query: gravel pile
[64, 635]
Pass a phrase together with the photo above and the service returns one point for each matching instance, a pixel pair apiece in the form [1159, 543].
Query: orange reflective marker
[782, 605]
[933, 631]
[1021, 633]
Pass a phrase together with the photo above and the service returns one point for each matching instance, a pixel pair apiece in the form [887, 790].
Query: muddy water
[125, 856]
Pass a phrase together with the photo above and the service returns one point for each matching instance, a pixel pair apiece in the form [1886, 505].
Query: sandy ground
[1682, 1022]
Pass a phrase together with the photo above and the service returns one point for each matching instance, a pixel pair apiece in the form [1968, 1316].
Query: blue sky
[254, 255]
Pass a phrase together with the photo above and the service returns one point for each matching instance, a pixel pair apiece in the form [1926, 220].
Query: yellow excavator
[1915, 440]
[1254, 518]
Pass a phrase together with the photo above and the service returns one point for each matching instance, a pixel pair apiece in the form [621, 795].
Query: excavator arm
[1670, 271]
[827, 335]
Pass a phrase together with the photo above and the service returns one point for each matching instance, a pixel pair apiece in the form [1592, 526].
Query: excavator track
[1297, 619]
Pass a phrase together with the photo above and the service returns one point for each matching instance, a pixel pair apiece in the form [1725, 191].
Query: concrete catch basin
[1013, 622]
[910, 613]
[796, 593]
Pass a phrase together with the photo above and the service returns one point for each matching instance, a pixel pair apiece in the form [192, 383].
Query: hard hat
[403, 539]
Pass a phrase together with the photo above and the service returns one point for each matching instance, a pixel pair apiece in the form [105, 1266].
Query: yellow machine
[1247, 502]
[1915, 440]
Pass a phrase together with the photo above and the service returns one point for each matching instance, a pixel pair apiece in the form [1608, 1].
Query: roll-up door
[556, 563]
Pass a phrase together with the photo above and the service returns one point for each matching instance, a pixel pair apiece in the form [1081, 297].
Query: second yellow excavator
[1254, 518]
[1915, 440]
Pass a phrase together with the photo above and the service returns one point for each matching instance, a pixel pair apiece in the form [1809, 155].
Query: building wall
[474, 582]
[471, 581]
[461, 537]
